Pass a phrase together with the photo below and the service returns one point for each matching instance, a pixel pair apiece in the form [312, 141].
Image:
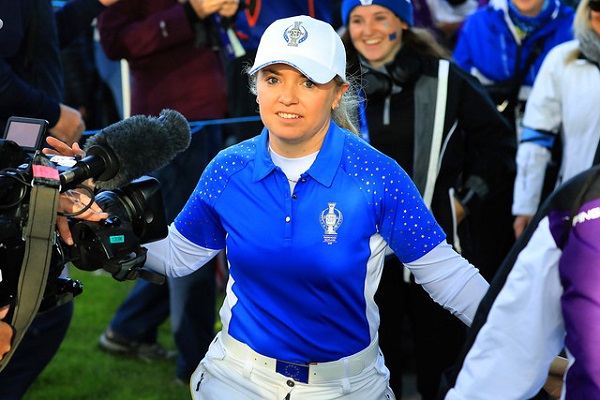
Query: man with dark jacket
[31, 85]
[174, 57]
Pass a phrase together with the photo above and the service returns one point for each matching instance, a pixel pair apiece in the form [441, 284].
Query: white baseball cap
[311, 46]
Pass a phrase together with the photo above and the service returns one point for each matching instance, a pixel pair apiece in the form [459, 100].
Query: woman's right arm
[177, 256]
[450, 280]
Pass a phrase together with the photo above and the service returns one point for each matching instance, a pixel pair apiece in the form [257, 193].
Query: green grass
[81, 371]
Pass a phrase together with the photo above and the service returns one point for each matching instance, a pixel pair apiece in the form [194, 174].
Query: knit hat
[311, 46]
[402, 8]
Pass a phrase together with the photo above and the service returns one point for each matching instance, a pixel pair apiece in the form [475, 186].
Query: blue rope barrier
[196, 126]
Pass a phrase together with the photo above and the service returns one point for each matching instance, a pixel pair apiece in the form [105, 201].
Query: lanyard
[362, 116]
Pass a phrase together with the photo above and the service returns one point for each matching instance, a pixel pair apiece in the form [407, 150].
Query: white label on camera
[63, 161]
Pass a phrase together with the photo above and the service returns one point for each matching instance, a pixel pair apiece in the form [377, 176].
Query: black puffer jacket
[477, 147]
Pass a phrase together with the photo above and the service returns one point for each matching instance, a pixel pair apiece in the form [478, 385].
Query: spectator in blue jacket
[496, 42]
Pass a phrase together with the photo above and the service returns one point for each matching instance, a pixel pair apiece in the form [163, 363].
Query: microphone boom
[129, 149]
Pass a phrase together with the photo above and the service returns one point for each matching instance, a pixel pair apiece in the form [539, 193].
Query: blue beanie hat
[402, 8]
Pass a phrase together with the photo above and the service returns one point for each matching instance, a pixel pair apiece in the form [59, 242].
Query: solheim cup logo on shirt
[295, 34]
[331, 219]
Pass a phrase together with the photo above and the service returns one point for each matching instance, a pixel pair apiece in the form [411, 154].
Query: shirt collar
[323, 169]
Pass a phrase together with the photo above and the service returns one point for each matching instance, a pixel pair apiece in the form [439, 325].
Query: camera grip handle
[131, 268]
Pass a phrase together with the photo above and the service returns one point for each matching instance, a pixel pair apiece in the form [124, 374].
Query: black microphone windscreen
[142, 144]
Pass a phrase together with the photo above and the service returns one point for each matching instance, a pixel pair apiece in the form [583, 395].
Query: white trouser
[231, 370]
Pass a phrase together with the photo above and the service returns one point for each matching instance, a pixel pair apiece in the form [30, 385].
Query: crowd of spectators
[522, 74]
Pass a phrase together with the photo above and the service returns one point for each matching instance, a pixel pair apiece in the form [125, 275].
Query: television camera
[136, 212]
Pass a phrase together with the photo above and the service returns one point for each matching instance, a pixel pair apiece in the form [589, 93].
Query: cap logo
[366, 2]
[295, 34]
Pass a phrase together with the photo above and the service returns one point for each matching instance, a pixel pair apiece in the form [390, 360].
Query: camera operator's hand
[73, 201]
[61, 148]
[6, 333]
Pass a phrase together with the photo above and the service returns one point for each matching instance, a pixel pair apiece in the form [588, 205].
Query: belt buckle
[298, 372]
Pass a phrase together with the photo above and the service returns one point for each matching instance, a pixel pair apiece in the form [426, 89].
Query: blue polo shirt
[304, 267]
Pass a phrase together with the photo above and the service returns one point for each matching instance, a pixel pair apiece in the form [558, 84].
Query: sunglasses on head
[595, 5]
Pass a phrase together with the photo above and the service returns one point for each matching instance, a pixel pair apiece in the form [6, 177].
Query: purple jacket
[545, 297]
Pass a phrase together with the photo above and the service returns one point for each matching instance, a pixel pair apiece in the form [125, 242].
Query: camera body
[136, 212]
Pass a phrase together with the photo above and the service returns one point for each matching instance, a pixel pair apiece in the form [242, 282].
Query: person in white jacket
[562, 106]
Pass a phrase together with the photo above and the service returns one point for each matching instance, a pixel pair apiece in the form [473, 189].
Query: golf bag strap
[38, 234]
